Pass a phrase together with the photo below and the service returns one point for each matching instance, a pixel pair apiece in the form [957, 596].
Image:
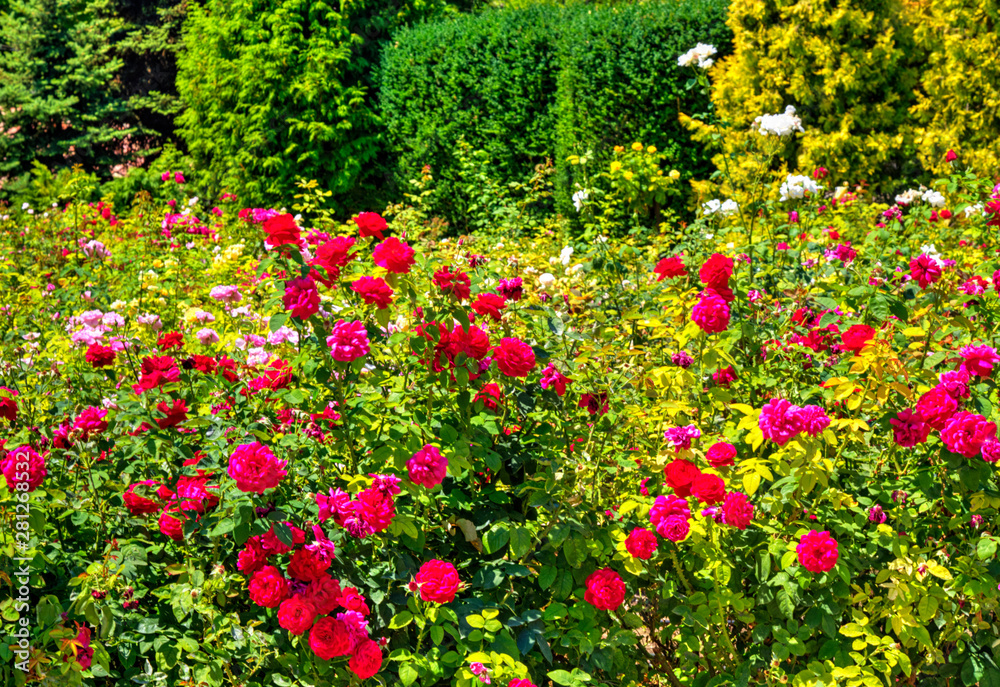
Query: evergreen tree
[84, 82]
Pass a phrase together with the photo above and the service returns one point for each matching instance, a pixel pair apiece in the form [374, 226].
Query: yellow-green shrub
[957, 103]
[849, 69]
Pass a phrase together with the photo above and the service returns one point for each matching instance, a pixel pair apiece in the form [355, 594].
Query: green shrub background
[543, 82]
[620, 82]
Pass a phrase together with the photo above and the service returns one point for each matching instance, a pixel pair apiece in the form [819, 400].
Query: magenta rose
[438, 581]
[427, 467]
[817, 552]
[255, 468]
[348, 341]
[301, 297]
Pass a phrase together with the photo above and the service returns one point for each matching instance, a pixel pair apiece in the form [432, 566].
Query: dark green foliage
[148, 51]
[84, 82]
[542, 82]
[488, 78]
[620, 82]
[56, 69]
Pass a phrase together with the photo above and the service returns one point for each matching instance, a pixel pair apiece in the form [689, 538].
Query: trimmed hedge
[487, 78]
[544, 82]
[620, 82]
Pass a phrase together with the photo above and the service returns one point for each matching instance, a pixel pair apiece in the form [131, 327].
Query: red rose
[936, 407]
[720, 454]
[281, 230]
[438, 581]
[514, 357]
[252, 558]
[680, 474]
[170, 340]
[196, 490]
[331, 256]
[605, 590]
[521, 683]
[370, 224]
[737, 511]
[367, 659]
[202, 363]
[8, 406]
[137, 504]
[268, 587]
[716, 271]
[306, 566]
[708, 488]
[856, 337]
[100, 356]
[323, 594]
[170, 526]
[490, 395]
[394, 255]
[352, 600]
[490, 304]
[641, 543]
[455, 283]
[475, 343]
[668, 268]
[175, 414]
[373, 291]
[329, 638]
[296, 615]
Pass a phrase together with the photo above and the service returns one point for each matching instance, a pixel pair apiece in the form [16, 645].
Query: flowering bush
[715, 460]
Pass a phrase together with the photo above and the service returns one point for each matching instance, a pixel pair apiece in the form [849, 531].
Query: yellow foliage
[958, 102]
[850, 70]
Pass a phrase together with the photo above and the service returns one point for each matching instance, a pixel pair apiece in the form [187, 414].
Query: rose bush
[706, 459]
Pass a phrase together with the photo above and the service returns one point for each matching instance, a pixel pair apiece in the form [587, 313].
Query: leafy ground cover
[247, 448]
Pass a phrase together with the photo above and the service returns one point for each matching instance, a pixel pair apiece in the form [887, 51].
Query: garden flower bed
[245, 448]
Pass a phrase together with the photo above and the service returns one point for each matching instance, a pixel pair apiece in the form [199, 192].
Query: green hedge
[620, 82]
[543, 82]
[488, 78]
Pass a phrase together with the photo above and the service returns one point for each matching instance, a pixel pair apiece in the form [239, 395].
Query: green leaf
[852, 630]
[927, 608]
[575, 550]
[973, 669]
[223, 527]
[785, 603]
[562, 677]
[879, 307]
[407, 674]
[547, 576]
[496, 538]
[400, 620]
[520, 542]
[277, 321]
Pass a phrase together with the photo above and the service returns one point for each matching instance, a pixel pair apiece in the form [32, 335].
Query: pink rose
[255, 468]
[427, 467]
[301, 297]
[348, 341]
